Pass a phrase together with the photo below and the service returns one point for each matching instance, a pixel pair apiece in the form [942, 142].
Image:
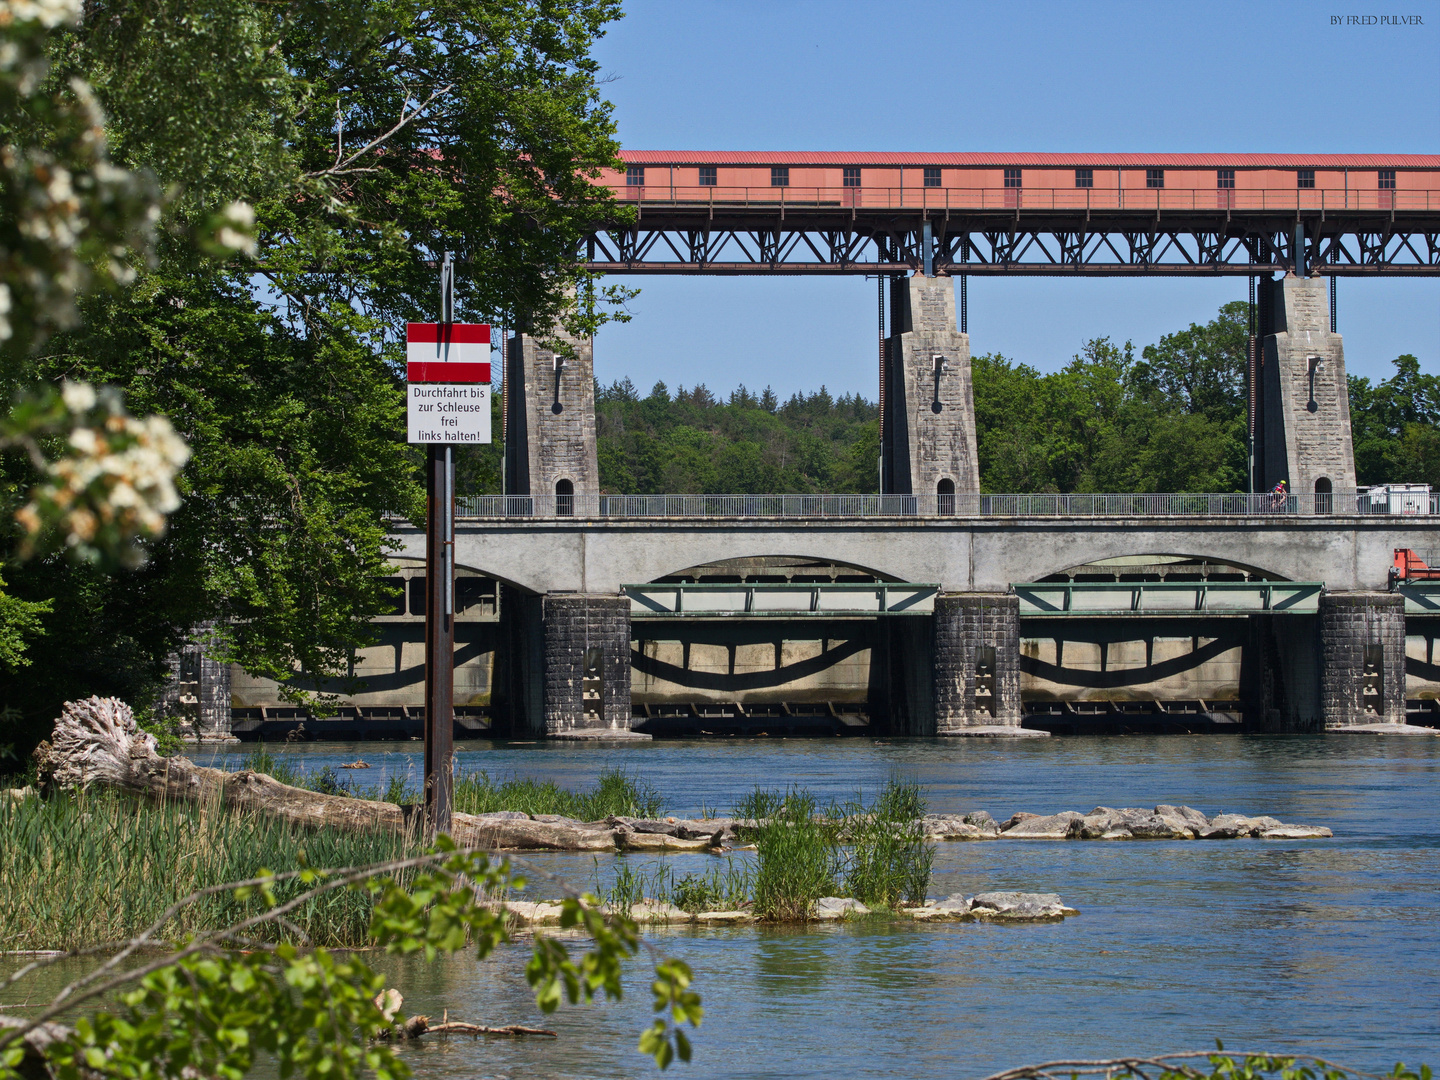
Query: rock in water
[1019, 907]
[829, 908]
[1054, 827]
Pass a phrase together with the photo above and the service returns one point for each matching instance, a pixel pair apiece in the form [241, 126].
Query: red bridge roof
[1111, 161]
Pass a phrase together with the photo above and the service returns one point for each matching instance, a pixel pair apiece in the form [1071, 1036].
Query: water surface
[1327, 946]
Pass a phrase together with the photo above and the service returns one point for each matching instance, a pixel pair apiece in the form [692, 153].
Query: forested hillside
[1171, 419]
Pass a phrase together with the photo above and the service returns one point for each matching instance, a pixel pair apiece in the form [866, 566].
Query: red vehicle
[1409, 566]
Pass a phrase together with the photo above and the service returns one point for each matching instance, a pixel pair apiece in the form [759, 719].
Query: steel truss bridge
[1045, 234]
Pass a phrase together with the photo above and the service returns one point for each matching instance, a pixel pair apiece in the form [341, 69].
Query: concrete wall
[1422, 658]
[754, 662]
[1157, 659]
[960, 554]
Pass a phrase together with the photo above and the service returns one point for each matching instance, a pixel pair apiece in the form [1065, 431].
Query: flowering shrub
[112, 485]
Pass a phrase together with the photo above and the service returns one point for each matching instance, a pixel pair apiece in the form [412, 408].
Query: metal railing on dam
[1377, 502]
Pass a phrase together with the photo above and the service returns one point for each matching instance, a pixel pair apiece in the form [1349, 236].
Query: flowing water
[1325, 946]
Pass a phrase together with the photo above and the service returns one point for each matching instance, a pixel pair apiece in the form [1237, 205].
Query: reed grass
[89, 868]
[875, 852]
[888, 859]
[721, 888]
[797, 856]
[616, 793]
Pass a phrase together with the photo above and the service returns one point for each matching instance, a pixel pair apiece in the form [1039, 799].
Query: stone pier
[976, 681]
[929, 421]
[1302, 396]
[586, 665]
[1362, 662]
[550, 447]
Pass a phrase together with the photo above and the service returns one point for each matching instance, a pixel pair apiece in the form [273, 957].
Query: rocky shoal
[986, 907]
[514, 830]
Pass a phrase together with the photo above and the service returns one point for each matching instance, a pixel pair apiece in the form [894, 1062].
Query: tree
[369, 138]
[1394, 424]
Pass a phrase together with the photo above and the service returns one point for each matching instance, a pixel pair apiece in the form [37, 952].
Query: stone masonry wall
[1362, 650]
[574, 623]
[1307, 421]
[937, 411]
[198, 690]
[965, 624]
[552, 421]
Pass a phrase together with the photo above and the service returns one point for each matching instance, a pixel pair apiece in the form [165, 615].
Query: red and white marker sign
[448, 352]
[448, 396]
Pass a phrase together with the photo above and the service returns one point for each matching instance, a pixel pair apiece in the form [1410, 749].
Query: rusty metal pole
[440, 608]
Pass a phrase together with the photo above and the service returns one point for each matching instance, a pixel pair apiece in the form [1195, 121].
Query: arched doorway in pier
[945, 496]
[1324, 499]
[564, 498]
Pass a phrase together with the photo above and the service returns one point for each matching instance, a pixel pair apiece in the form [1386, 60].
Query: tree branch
[341, 166]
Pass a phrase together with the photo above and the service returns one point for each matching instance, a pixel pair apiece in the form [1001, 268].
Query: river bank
[1324, 946]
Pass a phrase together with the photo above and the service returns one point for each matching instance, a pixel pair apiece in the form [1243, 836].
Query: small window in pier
[1387, 179]
[1084, 177]
[852, 176]
[780, 176]
[1224, 178]
[1372, 681]
[1304, 178]
[707, 175]
[1012, 178]
[1154, 177]
[635, 176]
[564, 498]
[932, 176]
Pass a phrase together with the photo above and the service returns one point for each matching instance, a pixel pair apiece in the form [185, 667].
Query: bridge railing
[918, 197]
[1258, 507]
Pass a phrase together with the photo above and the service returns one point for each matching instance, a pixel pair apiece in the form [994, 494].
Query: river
[1327, 946]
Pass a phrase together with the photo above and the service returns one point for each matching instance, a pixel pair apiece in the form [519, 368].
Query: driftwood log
[96, 741]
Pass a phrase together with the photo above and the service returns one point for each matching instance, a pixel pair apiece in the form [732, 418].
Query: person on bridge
[1279, 496]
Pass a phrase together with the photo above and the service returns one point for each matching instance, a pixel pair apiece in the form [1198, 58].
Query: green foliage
[19, 625]
[694, 443]
[888, 859]
[81, 870]
[1209, 1066]
[616, 793]
[798, 859]
[368, 137]
[1396, 425]
[215, 1003]
[720, 888]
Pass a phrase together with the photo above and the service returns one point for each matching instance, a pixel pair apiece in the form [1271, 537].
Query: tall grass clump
[797, 853]
[90, 868]
[888, 859]
[720, 888]
[616, 793]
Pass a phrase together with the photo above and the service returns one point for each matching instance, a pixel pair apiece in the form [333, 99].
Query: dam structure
[930, 608]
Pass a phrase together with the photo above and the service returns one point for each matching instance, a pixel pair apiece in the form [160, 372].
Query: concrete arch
[820, 560]
[1213, 560]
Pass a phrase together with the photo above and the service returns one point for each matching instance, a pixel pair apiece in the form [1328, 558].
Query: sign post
[447, 404]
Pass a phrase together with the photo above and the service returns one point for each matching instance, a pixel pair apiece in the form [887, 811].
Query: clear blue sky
[1040, 76]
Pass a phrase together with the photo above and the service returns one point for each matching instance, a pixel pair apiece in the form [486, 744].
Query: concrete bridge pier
[586, 682]
[1362, 665]
[928, 397]
[976, 680]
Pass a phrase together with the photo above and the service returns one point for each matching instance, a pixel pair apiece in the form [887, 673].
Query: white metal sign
[454, 413]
